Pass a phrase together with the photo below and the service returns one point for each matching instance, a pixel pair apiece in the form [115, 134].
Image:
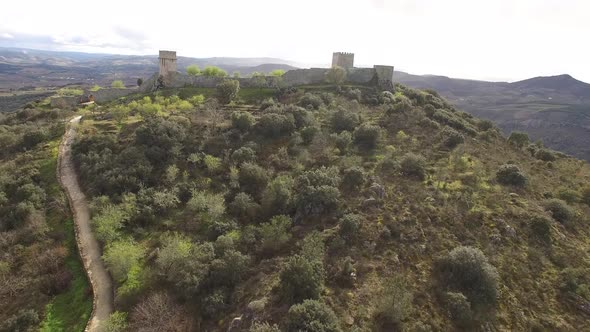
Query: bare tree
[158, 313]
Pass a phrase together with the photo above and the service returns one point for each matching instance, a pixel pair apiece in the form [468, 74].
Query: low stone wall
[64, 101]
[109, 94]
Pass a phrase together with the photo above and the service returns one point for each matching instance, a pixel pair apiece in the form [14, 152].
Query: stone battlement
[168, 55]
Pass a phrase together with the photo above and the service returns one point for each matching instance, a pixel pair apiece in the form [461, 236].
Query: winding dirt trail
[88, 246]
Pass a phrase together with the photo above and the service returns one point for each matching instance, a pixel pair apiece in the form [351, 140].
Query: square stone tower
[167, 64]
[343, 59]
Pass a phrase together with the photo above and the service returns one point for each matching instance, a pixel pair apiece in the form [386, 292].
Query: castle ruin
[343, 59]
[167, 64]
[379, 75]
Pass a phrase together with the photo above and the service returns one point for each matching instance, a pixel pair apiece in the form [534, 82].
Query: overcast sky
[491, 39]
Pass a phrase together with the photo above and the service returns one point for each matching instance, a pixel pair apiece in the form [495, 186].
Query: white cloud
[504, 39]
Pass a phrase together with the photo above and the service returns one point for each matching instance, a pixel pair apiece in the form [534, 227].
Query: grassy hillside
[43, 281]
[335, 209]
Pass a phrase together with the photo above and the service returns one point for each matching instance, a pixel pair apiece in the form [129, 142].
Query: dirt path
[90, 252]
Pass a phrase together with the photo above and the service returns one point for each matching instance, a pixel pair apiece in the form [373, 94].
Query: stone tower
[167, 64]
[343, 59]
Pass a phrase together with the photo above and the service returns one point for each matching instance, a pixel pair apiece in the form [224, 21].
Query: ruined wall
[106, 95]
[64, 101]
[343, 59]
[384, 76]
[304, 76]
[360, 75]
[318, 76]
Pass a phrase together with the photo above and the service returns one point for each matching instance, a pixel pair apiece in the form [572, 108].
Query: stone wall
[304, 76]
[64, 101]
[106, 95]
[384, 75]
[381, 76]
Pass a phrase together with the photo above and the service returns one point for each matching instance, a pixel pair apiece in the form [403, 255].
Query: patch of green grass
[250, 95]
[71, 310]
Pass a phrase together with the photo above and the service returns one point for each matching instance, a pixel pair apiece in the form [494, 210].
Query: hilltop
[551, 109]
[343, 208]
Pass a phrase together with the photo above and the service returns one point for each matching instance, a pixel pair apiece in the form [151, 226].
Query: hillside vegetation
[332, 209]
[42, 281]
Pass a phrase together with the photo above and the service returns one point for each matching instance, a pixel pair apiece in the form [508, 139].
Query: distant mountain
[554, 109]
[562, 83]
[23, 68]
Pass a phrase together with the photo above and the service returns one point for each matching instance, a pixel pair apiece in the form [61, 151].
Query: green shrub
[117, 322]
[317, 192]
[229, 269]
[117, 84]
[120, 256]
[277, 198]
[585, 197]
[467, 270]
[576, 280]
[207, 204]
[302, 117]
[253, 179]
[244, 207]
[318, 200]
[350, 224]
[212, 71]
[452, 138]
[569, 195]
[541, 229]
[312, 316]
[272, 125]
[459, 308]
[264, 327]
[367, 135]
[215, 303]
[336, 75]
[395, 303]
[193, 70]
[32, 138]
[228, 90]
[545, 155]
[275, 234]
[353, 178]
[243, 121]
[309, 100]
[413, 165]
[267, 103]
[518, 139]
[428, 123]
[342, 141]
[301, 278]
[510, 174]
[559, 210]
[243, 155]
[344, 120]
[484, 125]
[308, 134]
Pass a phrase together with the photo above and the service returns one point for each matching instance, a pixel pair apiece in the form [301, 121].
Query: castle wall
[305, 76]
[106, 95]
[384, 75]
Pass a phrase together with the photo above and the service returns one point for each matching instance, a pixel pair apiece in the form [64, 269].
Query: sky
[500, 40]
